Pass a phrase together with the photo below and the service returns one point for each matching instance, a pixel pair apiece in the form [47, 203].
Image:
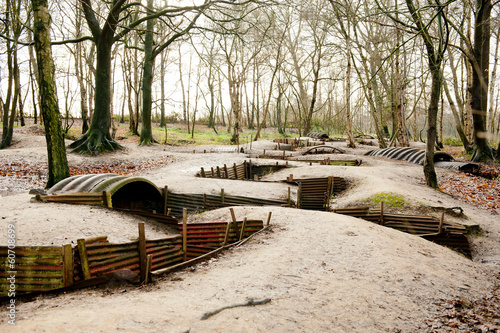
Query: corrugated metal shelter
[126, 192]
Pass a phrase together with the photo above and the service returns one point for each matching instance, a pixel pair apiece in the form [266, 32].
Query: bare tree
[58, 164]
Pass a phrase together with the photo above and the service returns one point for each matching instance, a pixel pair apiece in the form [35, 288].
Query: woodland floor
[323, 272]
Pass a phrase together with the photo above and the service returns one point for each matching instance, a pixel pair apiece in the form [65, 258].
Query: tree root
[250, 302]
[93, 143]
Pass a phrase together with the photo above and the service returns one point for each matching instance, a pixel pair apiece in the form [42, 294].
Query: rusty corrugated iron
[428, 227]
[36, 269]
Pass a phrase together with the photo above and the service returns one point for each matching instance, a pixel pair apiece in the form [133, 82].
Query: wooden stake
[235, 223]
[289, 198]
[68, 263]
[243, 228]
[203, 173]
[441, 221]
[235, 171]
[382, 213]
[165, 197]
[169, 211]
[268, 218]
[149, 263]
[225, 170]
[142, 251]
[222, 195]
[84, 261]
[184, 233]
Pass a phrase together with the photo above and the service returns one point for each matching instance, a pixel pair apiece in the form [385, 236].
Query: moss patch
[389, 199]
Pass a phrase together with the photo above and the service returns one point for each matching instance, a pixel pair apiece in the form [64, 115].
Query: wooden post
[204, 200]
[245, 171]
[235, 171]
[165, 197]
[243, 228]
[225, 170]
[106, 199]
[222, 195]
[84, 261]
[286, 164]
[299, 192]
[284, 154]
[203, 173]
[226, 236]
[218, 172]
[68, 263]
[149, 263]
[289, 198]
[382, 213]
[235, 223]
[184, 233]
[441, 221]
[169, 211]
[142, 251]
[268, 218]
[251, 139]
[213, 173]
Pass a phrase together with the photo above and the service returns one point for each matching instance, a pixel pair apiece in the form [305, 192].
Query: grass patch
[389, 199]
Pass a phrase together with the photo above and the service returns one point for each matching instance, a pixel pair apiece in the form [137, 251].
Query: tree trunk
[58, 164]
[479, 89]
[98, 139]
[162, 90]
[456, 116]
[147, 83]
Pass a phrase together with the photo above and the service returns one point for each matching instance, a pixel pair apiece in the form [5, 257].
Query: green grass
[178, 135]
[455, 142]
[389, 199]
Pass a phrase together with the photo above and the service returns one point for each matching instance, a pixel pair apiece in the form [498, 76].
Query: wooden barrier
[35, 269]
[428, 227]
[45, 268]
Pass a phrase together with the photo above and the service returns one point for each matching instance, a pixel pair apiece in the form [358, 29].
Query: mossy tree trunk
[58, 163]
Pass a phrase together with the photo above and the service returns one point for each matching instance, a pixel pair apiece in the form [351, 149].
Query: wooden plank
[184, 233]
[68, 265]
[243, 228]
[235, 222]
[82, 251]
[142, 251]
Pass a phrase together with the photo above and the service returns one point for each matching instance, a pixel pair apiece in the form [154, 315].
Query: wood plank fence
[429, 227]
[45, 268]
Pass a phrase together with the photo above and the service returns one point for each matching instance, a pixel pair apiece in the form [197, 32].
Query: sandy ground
[323, 272]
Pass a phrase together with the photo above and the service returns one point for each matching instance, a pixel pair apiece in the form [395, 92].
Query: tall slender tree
[58, 163]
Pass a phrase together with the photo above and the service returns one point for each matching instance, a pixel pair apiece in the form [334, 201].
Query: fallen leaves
[475, 190]
[28, 175]
[482, 315]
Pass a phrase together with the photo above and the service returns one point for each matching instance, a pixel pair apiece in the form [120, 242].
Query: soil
[322, 272]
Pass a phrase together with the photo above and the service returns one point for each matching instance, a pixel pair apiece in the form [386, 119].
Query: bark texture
[58, 163]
